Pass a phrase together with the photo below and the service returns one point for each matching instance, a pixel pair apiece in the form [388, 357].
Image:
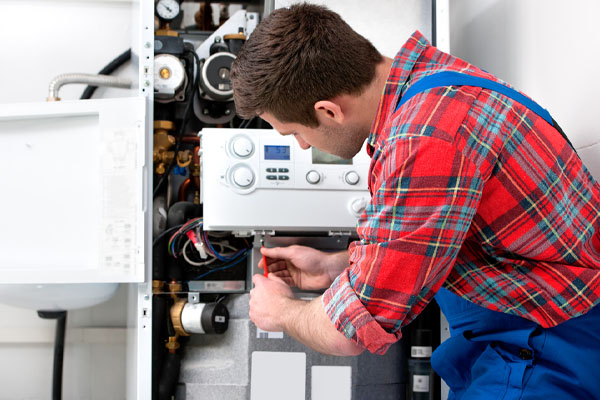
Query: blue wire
[219, 256]
[221, 268]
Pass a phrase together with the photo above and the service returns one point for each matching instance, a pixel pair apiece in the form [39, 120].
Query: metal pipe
[89, 79]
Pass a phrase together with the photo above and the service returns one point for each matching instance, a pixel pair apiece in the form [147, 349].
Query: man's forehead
[277, 125]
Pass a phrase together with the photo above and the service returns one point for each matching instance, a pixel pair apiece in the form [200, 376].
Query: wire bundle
[206, 249]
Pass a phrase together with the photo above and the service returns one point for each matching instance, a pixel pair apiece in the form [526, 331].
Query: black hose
[59, 349]
[169, 376]
[159, 315]
[107, 70]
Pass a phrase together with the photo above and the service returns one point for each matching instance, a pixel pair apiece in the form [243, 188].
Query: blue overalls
[496, 356]
[492, 355]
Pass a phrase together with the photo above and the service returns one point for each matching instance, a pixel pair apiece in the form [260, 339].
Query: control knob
[242, 177]
[313, 177]
[242, 146]
[358, 205]
[351, 178]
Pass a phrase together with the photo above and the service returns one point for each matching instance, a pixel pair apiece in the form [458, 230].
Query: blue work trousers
[492, 355]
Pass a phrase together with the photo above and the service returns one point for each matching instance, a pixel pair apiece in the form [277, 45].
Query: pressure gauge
[167, 10]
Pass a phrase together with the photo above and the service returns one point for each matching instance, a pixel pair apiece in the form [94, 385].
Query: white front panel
[258, 179]
[73, 205]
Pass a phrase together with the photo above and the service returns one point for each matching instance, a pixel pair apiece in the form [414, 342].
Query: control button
[313, 177]
[351, 178]
[242, 146]
[272, 177]
[283, 170]
[358, 205]
[271, 169]
[242, 177]
[284, 178]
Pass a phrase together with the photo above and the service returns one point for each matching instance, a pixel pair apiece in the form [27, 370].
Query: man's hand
[267, 302]
[304, 267]
[274, 308]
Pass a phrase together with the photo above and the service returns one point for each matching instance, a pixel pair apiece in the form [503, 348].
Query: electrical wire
[222, 268]
[165, 233]
[195, 263]
[246, 123]
[191, 232]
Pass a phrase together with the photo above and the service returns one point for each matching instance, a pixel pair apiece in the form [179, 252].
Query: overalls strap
[453, 78]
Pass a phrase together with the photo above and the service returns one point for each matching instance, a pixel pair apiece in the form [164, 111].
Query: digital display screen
[320, 157]
[277, 152]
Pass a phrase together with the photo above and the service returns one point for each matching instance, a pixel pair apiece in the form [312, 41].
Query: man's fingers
[278, 266]
[257, 279]
[281, 253]
[276, 278]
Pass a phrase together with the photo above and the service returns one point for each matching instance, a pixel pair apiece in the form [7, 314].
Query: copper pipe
[183, 189]
[196, 162]
[190, 139]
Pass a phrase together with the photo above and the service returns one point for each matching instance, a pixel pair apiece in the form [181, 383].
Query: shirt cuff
[351, 317]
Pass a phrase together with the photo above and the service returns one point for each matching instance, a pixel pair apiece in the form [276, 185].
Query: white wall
[550, 49]
[40, 40]
[386, 23]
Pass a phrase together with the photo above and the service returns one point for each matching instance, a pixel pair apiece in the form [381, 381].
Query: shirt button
[525, 354]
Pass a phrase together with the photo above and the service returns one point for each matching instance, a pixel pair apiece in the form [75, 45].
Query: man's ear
[328, 111]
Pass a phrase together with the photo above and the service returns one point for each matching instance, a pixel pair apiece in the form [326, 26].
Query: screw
[147, 83]
[146, 297]
[148, 45]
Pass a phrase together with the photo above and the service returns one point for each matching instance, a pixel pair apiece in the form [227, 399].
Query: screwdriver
[262, 245]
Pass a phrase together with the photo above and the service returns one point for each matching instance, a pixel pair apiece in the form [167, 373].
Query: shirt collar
[396, 83]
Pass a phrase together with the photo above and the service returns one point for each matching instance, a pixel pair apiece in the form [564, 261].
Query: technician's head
[294, 66]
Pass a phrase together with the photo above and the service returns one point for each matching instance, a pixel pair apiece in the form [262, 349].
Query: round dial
[313, 177]
[242, 146]
[358, 205]
[351, 178]
[167, 10]
[242, 177]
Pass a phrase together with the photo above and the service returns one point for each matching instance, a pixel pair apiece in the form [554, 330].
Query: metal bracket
[253, 232]
[193, 297]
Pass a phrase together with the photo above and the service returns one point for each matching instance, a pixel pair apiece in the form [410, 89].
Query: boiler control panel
[257, 179]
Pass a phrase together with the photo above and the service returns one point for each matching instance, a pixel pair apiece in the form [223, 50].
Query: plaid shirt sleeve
[424, 196]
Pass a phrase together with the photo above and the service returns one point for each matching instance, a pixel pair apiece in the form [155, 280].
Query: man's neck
[372, 95]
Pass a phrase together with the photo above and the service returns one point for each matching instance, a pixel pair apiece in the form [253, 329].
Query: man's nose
[304, 145]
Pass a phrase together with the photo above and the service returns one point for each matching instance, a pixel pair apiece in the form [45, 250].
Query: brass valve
[163, 142]
[172, 344]
[176, 310]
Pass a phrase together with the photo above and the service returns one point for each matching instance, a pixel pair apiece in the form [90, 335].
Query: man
[476, 199]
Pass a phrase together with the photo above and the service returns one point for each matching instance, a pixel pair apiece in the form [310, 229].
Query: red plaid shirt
[473, 192]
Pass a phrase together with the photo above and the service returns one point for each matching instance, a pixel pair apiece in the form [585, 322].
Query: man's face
[342, 141]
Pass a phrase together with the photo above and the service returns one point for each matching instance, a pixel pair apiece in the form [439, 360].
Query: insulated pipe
[107, 70]
[59, 349]
[89, 79]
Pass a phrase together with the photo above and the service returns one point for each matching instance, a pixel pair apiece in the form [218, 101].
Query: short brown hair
[296, 57]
